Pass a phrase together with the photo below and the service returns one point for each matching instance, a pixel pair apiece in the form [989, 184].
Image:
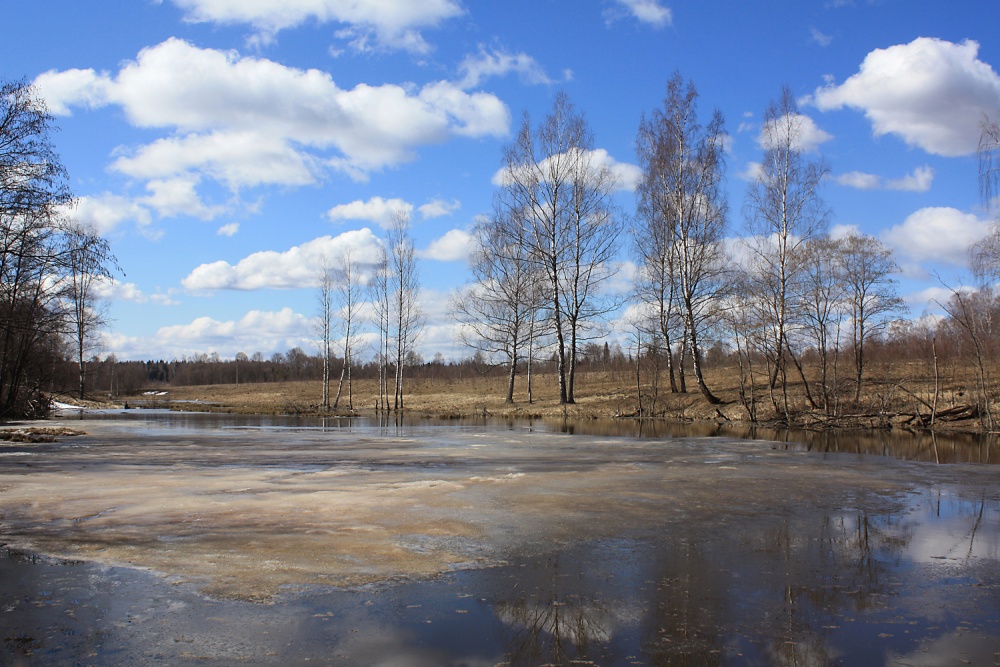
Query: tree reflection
[554, 621]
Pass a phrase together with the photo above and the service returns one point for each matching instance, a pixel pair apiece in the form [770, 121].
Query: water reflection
[800, 588]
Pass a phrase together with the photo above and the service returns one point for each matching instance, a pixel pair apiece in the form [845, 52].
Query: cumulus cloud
[297, 267]
[238, 159]
[257, 330]
[177, 196]
[454, 246]
[626, 175]
[496, 63]
[229, 229]
[113, 290]
[937, 234]
[806, 135]
[931, 93]
[650, 12]
[166, 198]
[248, 121]
[376, 210]
[105, 212]
[388, 24]
[437, 208]
[919, 181]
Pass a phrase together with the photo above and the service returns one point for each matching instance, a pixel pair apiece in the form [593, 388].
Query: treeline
[50, 267]
[114, 378]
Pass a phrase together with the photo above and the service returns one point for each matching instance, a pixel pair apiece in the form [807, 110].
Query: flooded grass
[214, 539]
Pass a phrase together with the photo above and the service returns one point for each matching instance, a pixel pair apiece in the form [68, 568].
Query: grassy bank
[902, 396]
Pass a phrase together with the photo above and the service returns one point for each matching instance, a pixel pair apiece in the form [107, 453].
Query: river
[179, 539]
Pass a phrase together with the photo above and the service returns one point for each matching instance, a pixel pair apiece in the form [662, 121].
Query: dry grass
[895, 395]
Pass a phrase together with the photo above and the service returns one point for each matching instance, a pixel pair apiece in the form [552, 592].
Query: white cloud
[650, 12]
[376, 210]
[488, 64]
[919, 181]
[806, 135]
[842, 231]
[257, 330]
[930, 297]
[297, 267]
[112, 290]
[177, 196]
[626, 175]
[229, 229]
[752, 171]
[931, 93]
[859, 180]
[394, 24]
[249, 121]
[238, 159]
[437, 208]
[105, 212]
[454, 246]
[937, 234]
[73, 87]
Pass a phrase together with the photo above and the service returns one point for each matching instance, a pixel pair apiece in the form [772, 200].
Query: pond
[214, 539]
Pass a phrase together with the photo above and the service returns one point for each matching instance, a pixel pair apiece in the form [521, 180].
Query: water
[201, 539]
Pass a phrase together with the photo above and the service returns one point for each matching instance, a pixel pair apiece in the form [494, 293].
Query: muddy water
[199, 539]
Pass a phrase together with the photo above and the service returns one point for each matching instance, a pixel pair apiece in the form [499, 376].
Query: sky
[225, 147]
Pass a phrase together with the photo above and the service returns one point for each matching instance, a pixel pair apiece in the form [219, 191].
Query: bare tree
[655, 285]
[382, 316]
[405, 285]
[34, 249]
[498, 307]
[682, 204]
[324, 324]
[821, 298]
[867, 267]
[349, 296]
[563, 197]
[986, 252]
[89, 262]
[745, 324]
[783, 211]
[972, 311]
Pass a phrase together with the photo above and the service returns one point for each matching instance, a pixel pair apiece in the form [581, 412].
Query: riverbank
[902, 402]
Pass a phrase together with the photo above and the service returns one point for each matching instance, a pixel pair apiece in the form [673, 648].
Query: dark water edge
[910, 582]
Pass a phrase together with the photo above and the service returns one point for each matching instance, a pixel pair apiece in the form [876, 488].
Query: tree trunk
[696, 360]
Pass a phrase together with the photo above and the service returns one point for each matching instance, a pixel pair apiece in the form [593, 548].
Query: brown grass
[897, 394]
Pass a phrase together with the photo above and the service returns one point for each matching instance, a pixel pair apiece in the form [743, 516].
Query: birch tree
[324, 324]
[404, 288]
[348, 299]
[382, 317]
[683, 209]
[867, 267]
[783, 211]
[497, 308]
[562, 195]
[89, 262]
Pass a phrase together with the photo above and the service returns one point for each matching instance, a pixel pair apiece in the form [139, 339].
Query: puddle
[193, 542]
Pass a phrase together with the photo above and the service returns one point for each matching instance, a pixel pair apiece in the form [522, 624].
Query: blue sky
[225, 146]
